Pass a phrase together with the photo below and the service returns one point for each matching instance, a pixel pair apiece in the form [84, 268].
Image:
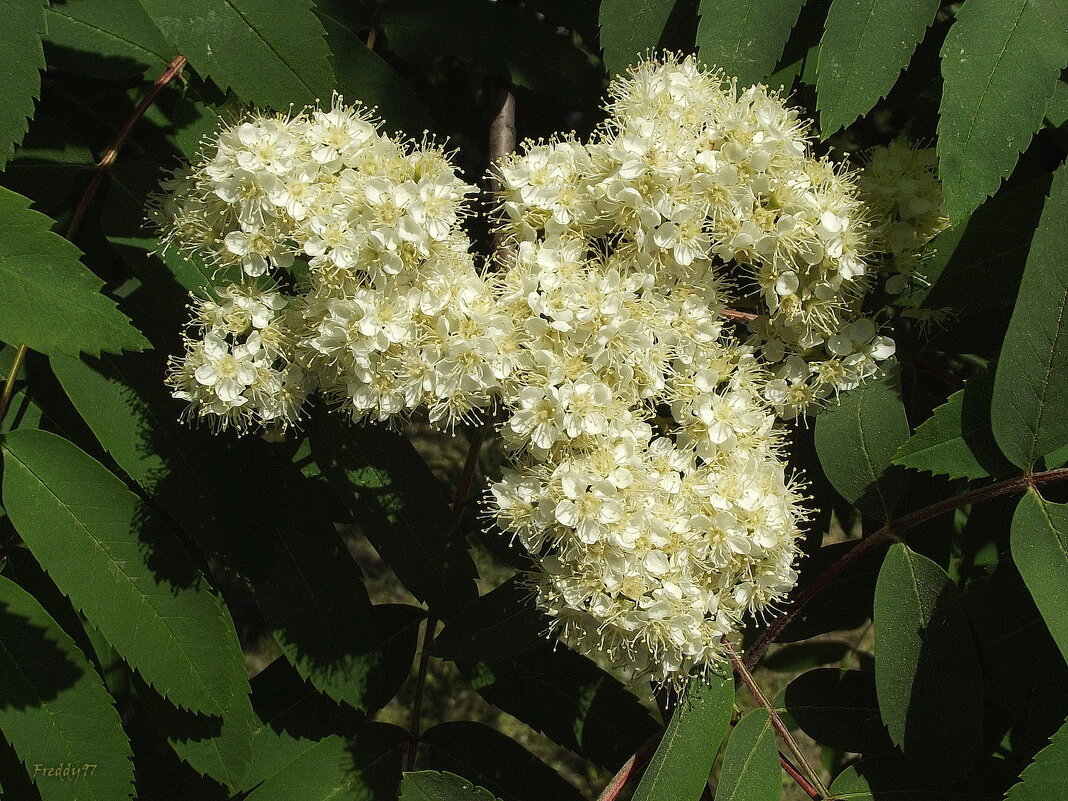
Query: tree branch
[891, 531]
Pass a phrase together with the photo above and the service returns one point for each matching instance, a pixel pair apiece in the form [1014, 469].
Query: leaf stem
[791, 744]
[105, 163]
[891, 531]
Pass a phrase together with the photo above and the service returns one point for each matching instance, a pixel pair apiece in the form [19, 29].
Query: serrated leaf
[20, 77]
[679, 769]
[51, 302]
[1047, 775]
[401, 508]
[367, 768]
[1057, 108]
[856, 441]
[496, 762]
[751, 762]
[270, 52]
[1028, 413]
[631, 27]
[956, 441]
[927, 673]
[128, 576]
[503, 622]
[838, 709]
[219, 746]
[496, 38]
[1000, 63]
[865, 45]
[365, 76]
[745, 37]
[124, 402]
[569, 699]
[105, 39]
[1039, 541]
[429, 785]
[54, 709]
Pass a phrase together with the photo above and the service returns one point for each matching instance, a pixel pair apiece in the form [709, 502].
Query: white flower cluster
[238, 370]
[392, 316]
[698, 182]
[900, 186]
[647, 476]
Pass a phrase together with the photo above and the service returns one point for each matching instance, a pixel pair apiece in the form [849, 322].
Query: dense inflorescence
[647, 476]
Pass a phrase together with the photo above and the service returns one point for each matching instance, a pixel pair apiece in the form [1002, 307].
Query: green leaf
[496, 762]
[631, 27]
[1047, 776]
[679, 769]
[569, 699]
[1028, 412]
[865, 45]
[751, 762]
[123, 571]
[51, 302]
[745, 37]
[270, 52]
[927, 671]
[398, 631]
[401, 508]
[506, 42]
[219, 746]
[1039, 541]
[1057, 108]
[367, 768]
[957, 441]
[429, 785]
[838, 709]
[856, 441]
[20, 77]
[1000, 64]
[500, 623]
[365, 76]
[124, 402]
[54, 709]
[105, 39]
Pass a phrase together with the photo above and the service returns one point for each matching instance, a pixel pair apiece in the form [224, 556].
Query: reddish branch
[892, 531]
[109, 158]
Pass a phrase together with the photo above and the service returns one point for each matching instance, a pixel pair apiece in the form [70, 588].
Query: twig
[105, 163]
[792, 771]
[891, 531]
[743, 673]
[630, 769]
